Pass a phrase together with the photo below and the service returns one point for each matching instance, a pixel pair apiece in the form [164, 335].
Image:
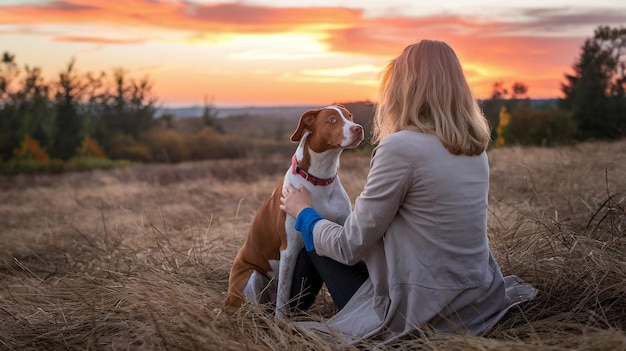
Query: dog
[272, 244]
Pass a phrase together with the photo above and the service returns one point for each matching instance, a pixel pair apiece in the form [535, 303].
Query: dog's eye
[332, 120]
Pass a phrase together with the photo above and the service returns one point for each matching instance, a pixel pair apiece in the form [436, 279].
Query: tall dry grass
[138, 258]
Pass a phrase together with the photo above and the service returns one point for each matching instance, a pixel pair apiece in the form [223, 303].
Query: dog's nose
[356, 129]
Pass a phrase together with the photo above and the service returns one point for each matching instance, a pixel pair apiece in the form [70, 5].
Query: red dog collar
[311, 178]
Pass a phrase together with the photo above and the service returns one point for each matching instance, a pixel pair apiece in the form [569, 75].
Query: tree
[9, 119]
[499, 92]
[594, 93]
[519, 91]
[34, 107]
[97, 98]
[132, 108]
[25, 109]
[68, 120]
[501, 97]
[9, 71]
[209, 117]
[128, 111]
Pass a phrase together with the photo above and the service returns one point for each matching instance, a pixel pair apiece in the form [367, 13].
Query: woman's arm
[387, 184]
[388, 181]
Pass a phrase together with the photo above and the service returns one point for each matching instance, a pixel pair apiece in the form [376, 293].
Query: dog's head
[330, 127]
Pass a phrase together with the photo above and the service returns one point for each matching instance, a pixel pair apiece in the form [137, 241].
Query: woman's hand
[295, 200]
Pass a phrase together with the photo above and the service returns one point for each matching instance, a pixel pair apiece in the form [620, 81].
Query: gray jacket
[420, 225]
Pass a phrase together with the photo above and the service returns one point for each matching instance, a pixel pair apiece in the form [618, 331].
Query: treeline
[61, 114]
[84, 120]
[70, 120]
[517, 120]
[593, 106]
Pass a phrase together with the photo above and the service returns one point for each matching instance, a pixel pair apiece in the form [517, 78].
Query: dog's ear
[305, 123]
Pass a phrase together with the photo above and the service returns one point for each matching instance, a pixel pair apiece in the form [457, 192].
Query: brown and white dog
[272, 244]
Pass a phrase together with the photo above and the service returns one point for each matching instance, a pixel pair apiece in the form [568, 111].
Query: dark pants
[313, 270]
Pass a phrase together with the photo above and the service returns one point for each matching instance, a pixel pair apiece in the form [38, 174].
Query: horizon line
[295, 105]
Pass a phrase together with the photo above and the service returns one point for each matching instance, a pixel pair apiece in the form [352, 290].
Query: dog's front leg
[288, 258]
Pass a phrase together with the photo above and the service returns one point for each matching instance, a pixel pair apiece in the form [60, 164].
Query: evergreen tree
[595, 92]
[130, 109]
[68, 120]
[36, 111]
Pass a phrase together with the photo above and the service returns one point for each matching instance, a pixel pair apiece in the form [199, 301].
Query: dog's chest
[330, 201]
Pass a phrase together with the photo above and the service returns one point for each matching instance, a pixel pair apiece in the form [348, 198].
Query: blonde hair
[424, 90]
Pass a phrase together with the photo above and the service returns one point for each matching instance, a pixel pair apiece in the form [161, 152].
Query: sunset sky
[280, 52]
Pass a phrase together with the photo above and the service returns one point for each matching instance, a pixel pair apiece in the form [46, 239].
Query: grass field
[138, 258]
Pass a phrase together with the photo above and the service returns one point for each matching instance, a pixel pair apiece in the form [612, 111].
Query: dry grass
[138, 258]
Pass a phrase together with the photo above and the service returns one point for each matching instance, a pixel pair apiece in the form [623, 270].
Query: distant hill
[535, 103]
[275, 123]
[542, 103]
[359, 109]
[272, 111]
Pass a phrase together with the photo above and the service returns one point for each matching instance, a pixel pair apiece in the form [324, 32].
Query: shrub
[124, 146]
[89, 148]
[210, 144]
[541, 127]
[205, 144]
[30, 150]
[267, 148]
[165, 145]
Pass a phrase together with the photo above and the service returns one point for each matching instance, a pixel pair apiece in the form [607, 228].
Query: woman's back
[444, 211]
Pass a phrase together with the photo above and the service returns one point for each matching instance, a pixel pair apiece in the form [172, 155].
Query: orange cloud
[348, 30]
[186, 16]
[501, 54]
[491, 50]
[97, 40]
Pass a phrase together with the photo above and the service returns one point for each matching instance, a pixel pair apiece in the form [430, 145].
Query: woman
[420, 224]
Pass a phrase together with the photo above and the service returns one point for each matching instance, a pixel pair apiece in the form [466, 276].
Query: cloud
[64, 6]
[343, 30]
[187, 16]
[96, 40]
[346, 29]
[498, 45]
[566, 17]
